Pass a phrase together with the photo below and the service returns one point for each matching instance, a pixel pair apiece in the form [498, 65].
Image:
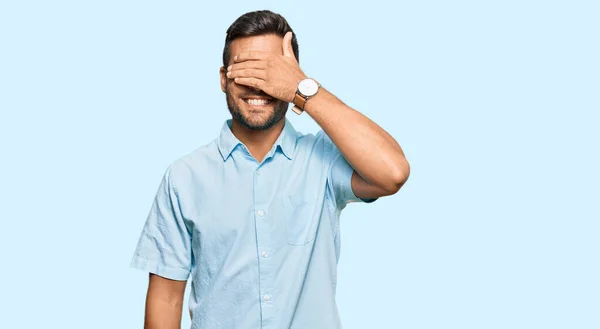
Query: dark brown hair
[258, 23]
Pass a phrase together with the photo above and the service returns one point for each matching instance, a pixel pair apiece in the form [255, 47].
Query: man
[253, 216]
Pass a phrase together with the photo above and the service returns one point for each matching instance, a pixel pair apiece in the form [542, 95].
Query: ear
[223, 77]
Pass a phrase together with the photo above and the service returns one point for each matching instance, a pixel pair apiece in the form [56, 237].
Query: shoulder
[306, 139]
[324, 139]
[316, 146]
[200, 160]
[314, 140]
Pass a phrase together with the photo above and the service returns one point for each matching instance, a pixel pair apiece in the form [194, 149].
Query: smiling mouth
[258, 101]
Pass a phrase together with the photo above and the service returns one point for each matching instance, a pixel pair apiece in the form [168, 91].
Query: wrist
[294, 88]
[307, 89]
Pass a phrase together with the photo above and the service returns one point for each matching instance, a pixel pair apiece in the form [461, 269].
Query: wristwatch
[307, 88]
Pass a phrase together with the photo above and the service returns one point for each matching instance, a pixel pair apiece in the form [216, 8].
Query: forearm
[162, 314]
[370, 150]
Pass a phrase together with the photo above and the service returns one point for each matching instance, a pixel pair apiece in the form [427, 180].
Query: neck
[258, 142]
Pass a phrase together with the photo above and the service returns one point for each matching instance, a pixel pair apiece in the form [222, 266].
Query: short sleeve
[339, 175]
[164, 246]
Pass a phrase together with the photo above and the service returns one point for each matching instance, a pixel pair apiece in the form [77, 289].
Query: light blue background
[495, 104]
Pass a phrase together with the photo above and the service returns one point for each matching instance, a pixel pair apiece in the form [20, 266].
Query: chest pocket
[301, 219]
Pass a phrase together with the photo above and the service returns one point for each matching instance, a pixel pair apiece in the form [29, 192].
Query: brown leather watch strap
[299, 101]
[297, 110]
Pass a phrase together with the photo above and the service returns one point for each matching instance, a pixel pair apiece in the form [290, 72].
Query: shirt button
[265, 254]
[267, 298]
[260, 213]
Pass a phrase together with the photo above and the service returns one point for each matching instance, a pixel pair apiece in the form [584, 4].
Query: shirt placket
[263, 223]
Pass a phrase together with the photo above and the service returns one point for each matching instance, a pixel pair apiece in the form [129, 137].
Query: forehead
[270, 43]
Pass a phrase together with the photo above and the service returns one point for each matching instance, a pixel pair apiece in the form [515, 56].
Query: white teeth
[257, 101]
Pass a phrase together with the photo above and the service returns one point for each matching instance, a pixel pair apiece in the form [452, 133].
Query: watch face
[308, 87]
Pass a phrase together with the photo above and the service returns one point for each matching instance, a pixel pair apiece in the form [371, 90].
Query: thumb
[288, 51]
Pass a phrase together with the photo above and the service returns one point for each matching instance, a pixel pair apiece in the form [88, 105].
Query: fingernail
[235, 58]
[229, 68]
[228, 73]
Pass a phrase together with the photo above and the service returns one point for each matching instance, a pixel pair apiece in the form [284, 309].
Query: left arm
[380, 167]
[379, 162]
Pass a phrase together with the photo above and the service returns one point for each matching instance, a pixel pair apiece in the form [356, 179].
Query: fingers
[288, 51]
[250, 82]
[248, 65]
[251, 56]
[247, 73]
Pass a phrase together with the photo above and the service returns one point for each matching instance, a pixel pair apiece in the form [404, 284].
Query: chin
[254, 119]
[256, 113]
[263, 109]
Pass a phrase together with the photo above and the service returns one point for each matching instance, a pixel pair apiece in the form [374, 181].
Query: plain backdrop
[495, 103]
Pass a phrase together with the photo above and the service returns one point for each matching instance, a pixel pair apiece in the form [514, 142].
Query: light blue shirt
[261, 241]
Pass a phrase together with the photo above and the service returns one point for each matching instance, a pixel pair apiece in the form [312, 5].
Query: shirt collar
[227, 142]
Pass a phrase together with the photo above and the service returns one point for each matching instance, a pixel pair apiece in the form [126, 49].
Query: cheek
[233, 95]
[234, 88]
